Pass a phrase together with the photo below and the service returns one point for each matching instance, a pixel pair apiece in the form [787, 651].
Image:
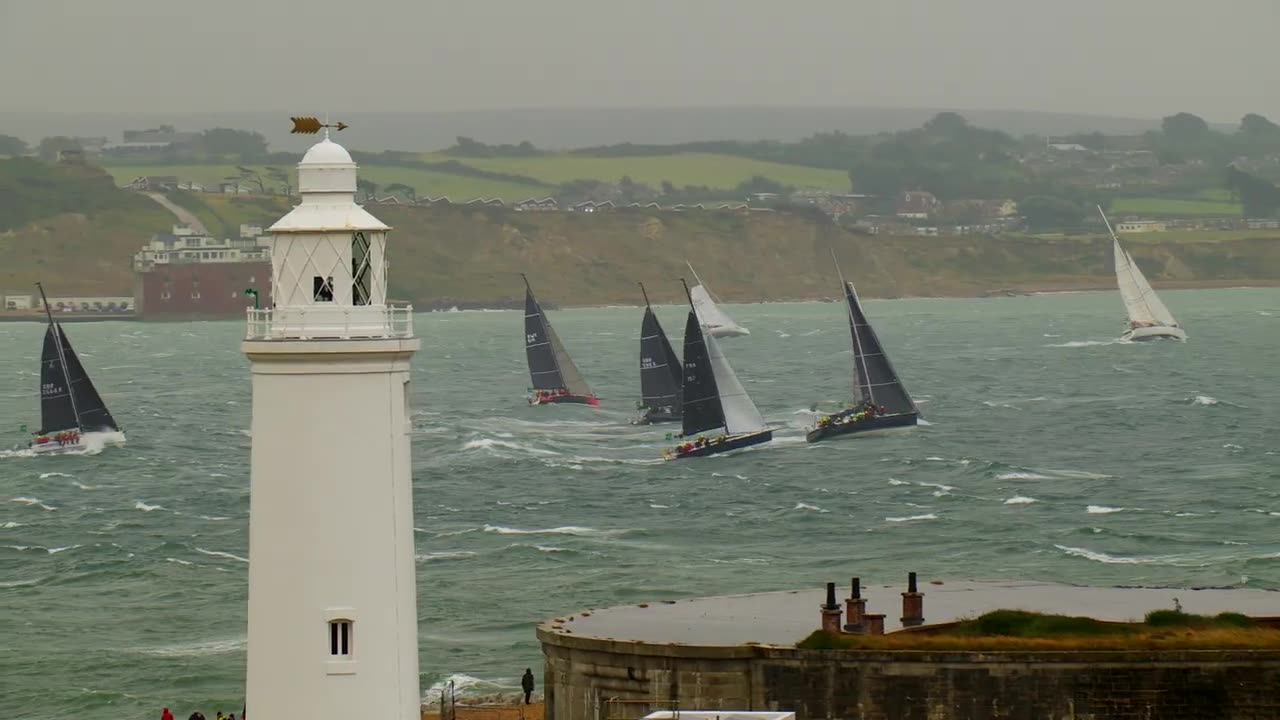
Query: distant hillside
[469, 256]
[443, 256]
[569, 128]
[70, 227]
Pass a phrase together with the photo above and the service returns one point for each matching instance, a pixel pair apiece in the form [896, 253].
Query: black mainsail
[68, 399]
[702, 410]
[874, 379]
[550, 367]
[659, 366]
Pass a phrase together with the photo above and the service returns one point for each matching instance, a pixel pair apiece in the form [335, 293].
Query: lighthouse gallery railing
[342, 323]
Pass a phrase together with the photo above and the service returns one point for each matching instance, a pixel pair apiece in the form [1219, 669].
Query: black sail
[701, 408]
[874, 377]
[544, 372]
[659, 366]
[57, 408]
[93, 413]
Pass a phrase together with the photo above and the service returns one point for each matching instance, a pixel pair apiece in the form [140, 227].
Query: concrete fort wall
[599, 679]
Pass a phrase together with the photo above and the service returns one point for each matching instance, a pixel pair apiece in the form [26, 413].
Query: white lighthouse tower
[333, 630]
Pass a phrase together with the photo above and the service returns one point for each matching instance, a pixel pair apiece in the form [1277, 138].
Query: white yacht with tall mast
[1149, 319]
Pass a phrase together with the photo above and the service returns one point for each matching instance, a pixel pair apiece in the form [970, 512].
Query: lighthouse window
[360, 272]
[340, 638]
[322, 288]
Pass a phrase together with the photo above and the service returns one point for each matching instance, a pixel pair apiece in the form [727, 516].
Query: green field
[1216, 204]
[711, 170]
[425, 182]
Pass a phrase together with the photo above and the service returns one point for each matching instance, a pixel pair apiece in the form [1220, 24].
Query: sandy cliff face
[470, 256]
[444, 256]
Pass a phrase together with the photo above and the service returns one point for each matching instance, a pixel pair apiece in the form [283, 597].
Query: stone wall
[596, 679]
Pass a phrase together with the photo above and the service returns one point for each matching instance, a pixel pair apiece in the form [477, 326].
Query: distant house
[71, 156]
[1068, 147]
[917, 204]
[155, 183]
[546, 204]
[586, 206]
[1262, 224]
[442, 200]
[1001, 208]
[1141, 226]
[683, 207]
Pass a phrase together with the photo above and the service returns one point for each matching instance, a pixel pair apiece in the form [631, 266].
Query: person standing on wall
[526, 684]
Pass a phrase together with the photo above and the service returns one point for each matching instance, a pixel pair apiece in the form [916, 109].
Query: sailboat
[882, 400]
[554, 377]
[713, 399]
[1149, 319]
[70, 406]
[717, 322]
[659, 371]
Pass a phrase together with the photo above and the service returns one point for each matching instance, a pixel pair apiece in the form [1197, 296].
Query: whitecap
[1022, 475]
[1020, 500]
[458, 682]
[443, 555]
[56, 550]
[82, 486]
[11, 525]
[807, 506]
[656, 506]
[218, 553]
[895, 481]
[139, 505]
[911, 518]
[1204, 400]
[1103, 510]
[196, 649]
[492, 444]
[214, 518]
[1233, 446]
[564, 530]
[1103, 557]
[46, 476]
[34, 501]
[180, 562]
[1082, 343]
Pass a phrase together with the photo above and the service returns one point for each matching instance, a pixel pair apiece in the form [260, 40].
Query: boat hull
[879, 422]
[723, 444]
[566, 399]
[1144, 334]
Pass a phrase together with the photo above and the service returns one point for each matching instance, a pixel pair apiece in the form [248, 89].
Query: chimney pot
[857, 589]
[831, 596]
[911, 582]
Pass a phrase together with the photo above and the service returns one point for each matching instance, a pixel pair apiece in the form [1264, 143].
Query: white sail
[715, 320]
[1140, 301]
[740, 414]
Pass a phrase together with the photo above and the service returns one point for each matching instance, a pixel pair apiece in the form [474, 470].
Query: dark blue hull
[722, 444]
[880, 422]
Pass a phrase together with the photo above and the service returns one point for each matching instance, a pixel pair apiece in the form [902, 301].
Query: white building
[1141, 226]
[185, 245]
[333, 631]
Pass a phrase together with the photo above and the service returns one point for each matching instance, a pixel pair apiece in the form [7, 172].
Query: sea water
[1050, 452]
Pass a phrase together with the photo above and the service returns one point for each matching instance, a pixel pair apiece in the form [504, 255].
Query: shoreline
[445, 306]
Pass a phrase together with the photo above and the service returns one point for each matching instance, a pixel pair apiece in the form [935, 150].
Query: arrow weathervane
[311, 126]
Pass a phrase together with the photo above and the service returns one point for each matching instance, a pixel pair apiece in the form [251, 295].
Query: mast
[860, 357]
[62, 355]
[645, 294]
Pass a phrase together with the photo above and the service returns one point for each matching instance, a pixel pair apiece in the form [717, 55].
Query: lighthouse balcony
[330, 323]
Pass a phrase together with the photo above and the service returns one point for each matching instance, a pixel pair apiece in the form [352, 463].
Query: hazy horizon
[1138, 59]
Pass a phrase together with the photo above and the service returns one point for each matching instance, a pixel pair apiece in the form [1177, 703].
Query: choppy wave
[219, 553]
[1103, 510]
[911, 518]
[1083, 343]
[565, 530]
[494, 443]
[36, 502]
[1020, 500]
[807, 506]
[1104, 557]
[444, 555]
[196, 649]
[140, 505]
[1203, 400]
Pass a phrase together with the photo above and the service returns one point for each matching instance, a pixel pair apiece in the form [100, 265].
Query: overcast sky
[1140, 58]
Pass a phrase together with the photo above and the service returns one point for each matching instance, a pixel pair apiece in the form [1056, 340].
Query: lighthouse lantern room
[332, 612]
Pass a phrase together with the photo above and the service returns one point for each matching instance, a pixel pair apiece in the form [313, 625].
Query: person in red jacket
[166, 715]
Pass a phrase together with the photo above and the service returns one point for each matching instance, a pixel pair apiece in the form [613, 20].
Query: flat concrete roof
[785, 618]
